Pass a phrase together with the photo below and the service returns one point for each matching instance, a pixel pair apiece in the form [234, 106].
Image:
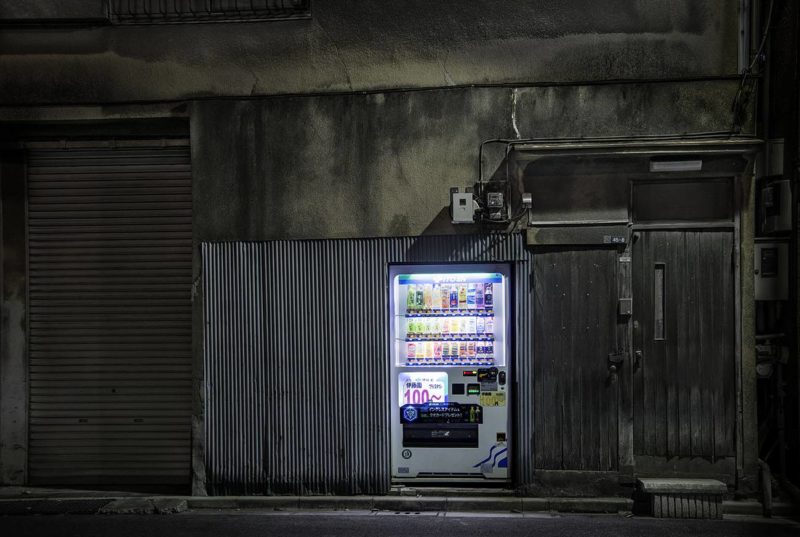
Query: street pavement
[259, 523]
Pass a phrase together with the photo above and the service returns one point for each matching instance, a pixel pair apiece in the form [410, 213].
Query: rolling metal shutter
[110, 265]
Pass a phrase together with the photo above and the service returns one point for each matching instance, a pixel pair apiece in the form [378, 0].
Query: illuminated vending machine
[450, 384]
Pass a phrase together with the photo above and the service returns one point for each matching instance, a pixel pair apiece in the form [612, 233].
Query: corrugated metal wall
[296, 359]
[110, 261]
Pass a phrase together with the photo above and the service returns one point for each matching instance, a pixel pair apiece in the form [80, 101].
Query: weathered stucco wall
[363, 45]
[382, 164]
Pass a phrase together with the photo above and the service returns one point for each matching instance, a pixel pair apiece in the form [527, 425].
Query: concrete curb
[404, 504]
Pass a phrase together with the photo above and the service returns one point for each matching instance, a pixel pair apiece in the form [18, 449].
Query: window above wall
[123, 12]
[182, 11]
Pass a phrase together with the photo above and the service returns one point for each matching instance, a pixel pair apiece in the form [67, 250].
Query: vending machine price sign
[417, 388]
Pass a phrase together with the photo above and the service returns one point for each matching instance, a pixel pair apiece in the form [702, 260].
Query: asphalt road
[357, 524]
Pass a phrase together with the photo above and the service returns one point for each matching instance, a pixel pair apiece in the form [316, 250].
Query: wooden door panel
[576, 403]
[684, 383]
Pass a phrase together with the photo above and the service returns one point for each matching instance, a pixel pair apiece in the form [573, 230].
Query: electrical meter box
[462, 206]
[771, 267]
[776, 207]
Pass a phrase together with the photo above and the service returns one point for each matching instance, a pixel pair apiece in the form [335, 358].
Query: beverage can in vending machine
[411, 297]
[436, 298]
[480, 325]
[411, 350]
[437, 350]
[445, 349]
[480, 350]
[489, 326]
[471, 295]
[453, 296]
[471, 349]
[420, 302]
[428, 295]
[479, 296]
[462, 296]
[490, 350]
[488, 295]
[462, 349]
[445, 298]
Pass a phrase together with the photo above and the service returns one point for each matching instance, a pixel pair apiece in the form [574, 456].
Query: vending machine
[450, 382]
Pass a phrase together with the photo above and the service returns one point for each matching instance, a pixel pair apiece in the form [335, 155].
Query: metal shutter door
[110, 265]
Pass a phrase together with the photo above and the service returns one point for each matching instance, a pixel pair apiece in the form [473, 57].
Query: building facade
[200, 203]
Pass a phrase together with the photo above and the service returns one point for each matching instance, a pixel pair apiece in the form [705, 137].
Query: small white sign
[417, 388]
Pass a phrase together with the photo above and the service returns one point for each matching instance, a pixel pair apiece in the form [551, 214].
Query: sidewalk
[30, 500]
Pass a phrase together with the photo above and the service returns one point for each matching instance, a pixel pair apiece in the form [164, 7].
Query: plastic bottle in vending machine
[411, 297]
[480, 350]
[479, 296]
[471, 296]
[445, 326]
[445, 297]
[436, 298]
[437, 327]
[462, 349]
[453, 297]
[490, 350]
[471, 349]
[488, 295]
[471, 326]
[420, 351]
[428, 350]
[437, 351]
[480, 326]
[462, 296]
[411, 327]
[420, 302]
[490, 326]
[428, 295]
[455, 326]
[411, 351]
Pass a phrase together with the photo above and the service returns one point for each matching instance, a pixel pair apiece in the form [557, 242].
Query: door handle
[637, 359]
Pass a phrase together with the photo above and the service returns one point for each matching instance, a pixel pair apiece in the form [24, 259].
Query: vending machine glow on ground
[450, 382]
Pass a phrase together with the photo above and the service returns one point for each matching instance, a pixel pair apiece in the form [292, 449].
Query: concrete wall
[382, 164]
[363, 45]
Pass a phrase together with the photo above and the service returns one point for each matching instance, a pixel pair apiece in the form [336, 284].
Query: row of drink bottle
[449, 326]
[447, 350]
[450, 296]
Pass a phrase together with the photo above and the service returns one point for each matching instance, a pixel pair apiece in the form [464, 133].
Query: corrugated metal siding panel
[296, 368]
[110, 265]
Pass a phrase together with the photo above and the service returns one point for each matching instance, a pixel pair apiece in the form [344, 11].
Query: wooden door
[684, 381]
[575, 330]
